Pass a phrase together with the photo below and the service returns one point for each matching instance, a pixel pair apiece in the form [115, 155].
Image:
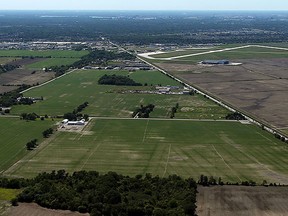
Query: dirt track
[32, 209]
[242, 201]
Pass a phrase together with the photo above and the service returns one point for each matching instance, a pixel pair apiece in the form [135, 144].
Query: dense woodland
[146, 27]
[109, 194]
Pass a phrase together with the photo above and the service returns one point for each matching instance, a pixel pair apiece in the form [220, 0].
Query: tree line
[117, 80]
[75, 114]
[235, 116]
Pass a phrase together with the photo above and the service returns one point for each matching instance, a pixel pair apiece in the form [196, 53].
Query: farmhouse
[215, 62]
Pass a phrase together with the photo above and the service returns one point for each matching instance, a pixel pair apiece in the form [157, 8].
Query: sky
[144, 5]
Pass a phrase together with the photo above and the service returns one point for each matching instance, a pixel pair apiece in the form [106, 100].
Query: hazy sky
[144, 5]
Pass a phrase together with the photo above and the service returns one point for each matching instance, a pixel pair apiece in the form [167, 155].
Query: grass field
[5, 196]
[65, 94]
[14, 135]
[230, 150]
[8, 194]
[52, 62]
[5, 60]
[46, 53]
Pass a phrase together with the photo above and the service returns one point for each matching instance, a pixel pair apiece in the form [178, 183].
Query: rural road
[45, 83]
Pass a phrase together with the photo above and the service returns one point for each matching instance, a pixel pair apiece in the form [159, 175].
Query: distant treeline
[95, 56]
[117, 80]
[161, 28]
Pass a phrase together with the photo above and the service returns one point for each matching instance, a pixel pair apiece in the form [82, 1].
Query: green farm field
[52, 62]
[14, 135]
[65, 94]
[46, 53]
[238, 54]
[230, 150]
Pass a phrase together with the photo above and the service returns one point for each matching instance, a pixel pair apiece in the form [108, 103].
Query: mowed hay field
[231, 150]
[65, 94]
[14, 135]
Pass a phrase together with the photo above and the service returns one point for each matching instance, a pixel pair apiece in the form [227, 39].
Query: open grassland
[45, 53]
[65, 94]
[285, 131]
[14, 135]
[234, 151]
[46, 63]
[8, 194]
[5, 196]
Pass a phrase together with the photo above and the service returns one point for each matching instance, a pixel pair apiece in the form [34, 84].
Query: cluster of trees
[96, 56]
[47, 132]
[81, 107]
[10, 98]
[14, 183]
[117, 80]
[26, 101]
[235, 116]
[174, 110]
[112, 193]
[29, 116]
[143, 111]
[101, 57]
[59, 70]
[7, 67]
[31, 145]
[75, 115]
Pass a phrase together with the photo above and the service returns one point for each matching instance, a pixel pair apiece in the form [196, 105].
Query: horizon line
[176, 10]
